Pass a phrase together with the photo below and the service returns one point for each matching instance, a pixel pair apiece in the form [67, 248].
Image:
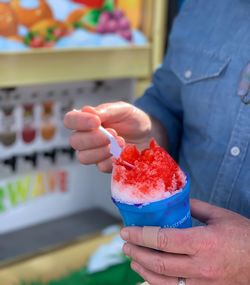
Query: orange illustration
[42, 26]
[28, 17]
[76, 15]
[8, 20]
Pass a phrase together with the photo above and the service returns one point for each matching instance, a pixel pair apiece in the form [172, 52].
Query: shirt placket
[233, 159]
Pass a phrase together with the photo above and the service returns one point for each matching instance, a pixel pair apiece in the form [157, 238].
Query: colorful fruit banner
[29, 24]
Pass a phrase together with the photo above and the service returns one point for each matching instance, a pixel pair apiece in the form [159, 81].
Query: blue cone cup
[172, 212]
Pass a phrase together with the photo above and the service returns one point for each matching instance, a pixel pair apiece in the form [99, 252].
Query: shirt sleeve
[162, 100]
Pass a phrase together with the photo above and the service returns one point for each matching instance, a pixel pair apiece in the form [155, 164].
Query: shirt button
[235, 151]
[188, 74]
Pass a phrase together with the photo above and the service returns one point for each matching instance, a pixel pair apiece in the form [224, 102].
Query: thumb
[100, 111]
[129, 121]
[111, 113]
[204, 212]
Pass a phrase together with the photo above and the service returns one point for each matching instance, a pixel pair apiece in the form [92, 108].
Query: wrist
[155, 130]
[159, 132]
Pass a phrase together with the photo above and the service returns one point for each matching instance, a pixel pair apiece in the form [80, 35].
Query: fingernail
[126, 249]
[124, 234]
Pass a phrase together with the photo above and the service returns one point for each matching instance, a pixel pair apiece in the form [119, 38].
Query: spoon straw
[115, 148]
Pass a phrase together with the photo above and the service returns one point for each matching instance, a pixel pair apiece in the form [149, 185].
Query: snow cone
[154, 192]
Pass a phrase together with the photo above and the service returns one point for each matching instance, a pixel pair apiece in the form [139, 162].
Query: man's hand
[216, 254]
[123, 120]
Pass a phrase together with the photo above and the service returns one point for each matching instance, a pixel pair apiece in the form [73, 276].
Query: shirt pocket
[203, 79]
[192, 65]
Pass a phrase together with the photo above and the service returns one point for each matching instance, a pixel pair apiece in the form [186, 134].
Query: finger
[105, 165]
[88, 140]
[181, 241]
[92, 139]
[204, 212]
[93, 156]
[121, 141]
[163, 263]
[81, 121]
[153, 278]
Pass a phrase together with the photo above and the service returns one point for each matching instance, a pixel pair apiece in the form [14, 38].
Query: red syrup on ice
[152, 165]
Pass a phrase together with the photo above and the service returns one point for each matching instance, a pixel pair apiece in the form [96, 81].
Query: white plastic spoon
[115, 148]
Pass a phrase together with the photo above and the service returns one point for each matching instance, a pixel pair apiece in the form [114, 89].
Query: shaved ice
[154, 177]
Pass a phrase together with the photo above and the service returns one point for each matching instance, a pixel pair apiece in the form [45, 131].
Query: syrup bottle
[8, 132]
[48, 128]
[29, 130]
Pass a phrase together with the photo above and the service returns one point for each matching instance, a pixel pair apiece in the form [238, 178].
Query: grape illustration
[115, 22]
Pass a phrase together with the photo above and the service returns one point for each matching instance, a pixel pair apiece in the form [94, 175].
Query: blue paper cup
[172, 212]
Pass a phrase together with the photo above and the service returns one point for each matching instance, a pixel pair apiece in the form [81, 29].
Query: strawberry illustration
[36, 42]
[58, 33]
[91, 3]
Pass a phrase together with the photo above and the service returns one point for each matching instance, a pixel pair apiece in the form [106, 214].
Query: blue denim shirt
[195, 96]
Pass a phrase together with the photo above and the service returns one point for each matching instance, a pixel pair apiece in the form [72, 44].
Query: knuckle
[209, 244]
[159, 266]
[82, 158]
[136, 268]
[79, 157]
[104, 167]
[194, 247]
[127, 249]
[162, 240]
[72, 141]
[135, 255]
[209, 272]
